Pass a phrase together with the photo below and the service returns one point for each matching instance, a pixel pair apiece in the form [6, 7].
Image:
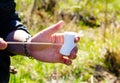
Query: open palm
[50, 53]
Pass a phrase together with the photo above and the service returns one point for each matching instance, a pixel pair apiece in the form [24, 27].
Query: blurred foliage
[87, 16]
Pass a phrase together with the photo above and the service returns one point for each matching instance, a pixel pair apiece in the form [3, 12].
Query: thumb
[54, 28]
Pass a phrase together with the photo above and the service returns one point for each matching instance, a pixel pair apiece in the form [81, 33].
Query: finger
[54, 28]
[57, 38]
[3, 44]
[73, 53]
[66, 60]
[77, 38]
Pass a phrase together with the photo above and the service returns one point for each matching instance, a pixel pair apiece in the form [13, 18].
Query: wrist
[27, 47]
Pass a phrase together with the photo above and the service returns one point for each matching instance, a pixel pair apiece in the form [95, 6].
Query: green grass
[91, 47]
[91, 51]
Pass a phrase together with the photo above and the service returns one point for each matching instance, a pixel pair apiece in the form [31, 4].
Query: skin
[3, 44]
[42, 53]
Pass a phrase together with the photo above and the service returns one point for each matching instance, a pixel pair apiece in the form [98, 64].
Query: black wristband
[27, 53]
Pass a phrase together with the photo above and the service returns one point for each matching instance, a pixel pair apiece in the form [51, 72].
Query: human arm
[43, 53]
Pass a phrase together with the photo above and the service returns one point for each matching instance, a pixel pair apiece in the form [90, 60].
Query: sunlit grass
[89, 55]
[91, 52]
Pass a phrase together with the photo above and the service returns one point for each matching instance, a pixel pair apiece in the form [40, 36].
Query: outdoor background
[98, 57]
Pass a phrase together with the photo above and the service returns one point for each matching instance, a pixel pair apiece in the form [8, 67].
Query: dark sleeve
[17, 25]
[7, 9]
[12, 26]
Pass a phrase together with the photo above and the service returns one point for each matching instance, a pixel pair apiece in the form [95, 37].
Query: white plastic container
[69, 43]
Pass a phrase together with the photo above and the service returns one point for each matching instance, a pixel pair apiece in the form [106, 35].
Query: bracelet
[27, 53]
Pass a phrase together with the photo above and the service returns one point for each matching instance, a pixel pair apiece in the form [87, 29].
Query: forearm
[17, 36]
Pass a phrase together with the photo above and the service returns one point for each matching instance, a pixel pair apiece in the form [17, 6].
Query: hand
[3, 44]
[51, 53]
